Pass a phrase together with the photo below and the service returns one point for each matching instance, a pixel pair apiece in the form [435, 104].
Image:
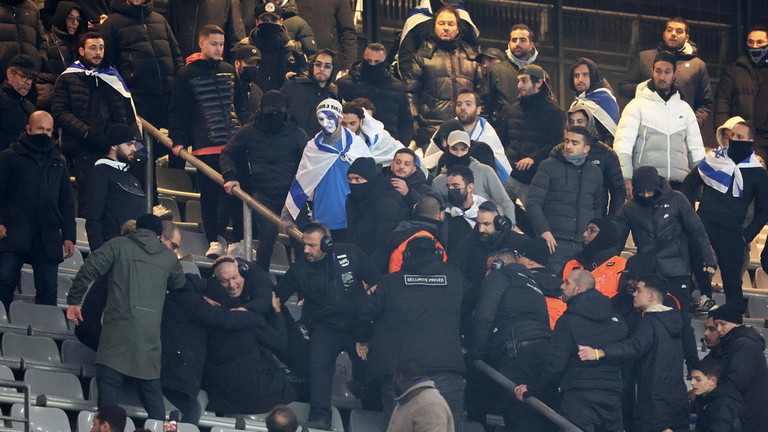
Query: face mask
[40, 142]
[359, 191]
[456, 197]
[374, 73]
[757, 54]
[272, 121]
[249, 74]
[451, 159]
[739, 150]
[269, 31]
[577, 160]
[647, 202]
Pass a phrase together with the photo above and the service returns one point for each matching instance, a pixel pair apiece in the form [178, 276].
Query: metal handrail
[24, 387]
[534, 402]
[204, 169]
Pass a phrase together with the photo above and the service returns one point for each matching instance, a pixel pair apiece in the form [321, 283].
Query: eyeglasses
[174, 245]
[24, 77]
[327, 66]
[74, 18]
[593, 230]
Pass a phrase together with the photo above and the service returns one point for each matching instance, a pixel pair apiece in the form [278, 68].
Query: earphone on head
[242, 265]
[326, 242]
[500, 222]
[438, 251]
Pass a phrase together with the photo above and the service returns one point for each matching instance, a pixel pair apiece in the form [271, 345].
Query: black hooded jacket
[742, 358]
[387, 94]
[511, 302]
[278, 57]
[720, 410]
[663, 230]
[141, 45]
[661, 393]
[303, 94]
[21, 32]
[418, 186]
[741, 86]
[370, 221]
[61, 47]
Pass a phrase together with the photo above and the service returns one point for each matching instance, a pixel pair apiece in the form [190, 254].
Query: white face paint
[329, 121]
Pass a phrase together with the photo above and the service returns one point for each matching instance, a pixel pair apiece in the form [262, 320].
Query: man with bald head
[36, 211]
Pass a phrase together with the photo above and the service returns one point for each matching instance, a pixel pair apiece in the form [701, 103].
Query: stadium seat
[192, 212]
[41, 419]
[74, 352]
[761, 279]
[58, 384]
[746, 280]
[193, 243]
[72, 264]
[42, 317]
[85, 421]
[129, 398]
[366, 421]
[202, 399]
[473, 427]
[190, 267]
[157, 426]
[221, 429]
[30, 347]
[171, 205]
[81, 241]
[6, 374]
[174, 179]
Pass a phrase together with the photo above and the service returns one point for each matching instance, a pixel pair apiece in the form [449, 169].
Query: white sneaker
[215, 250]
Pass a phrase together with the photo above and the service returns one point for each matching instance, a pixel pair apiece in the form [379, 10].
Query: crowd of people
[451, 212]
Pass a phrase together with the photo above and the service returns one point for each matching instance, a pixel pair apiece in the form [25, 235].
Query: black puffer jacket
[434, 77]
[739, 91]
[140, 44]
[204, 102]
[371, 221]
[662, 399]
[21, 32]
[35, 198]
[418, 186]
[589, 320]
[299, 29]
[93, 9]
[273, 158]
[82, 104]
[606, 159]
[60, 46]
[563, 198]
[388, 96]
[498, 92]
[663, 231]
[433, 337]
[15, 110]
[511, 302]
[534, 126]
[328, 301]
[720, 410]
[278, 57]
[333, 23]
[691, 79]
[187, 17]
[741, 354]
[303, 95]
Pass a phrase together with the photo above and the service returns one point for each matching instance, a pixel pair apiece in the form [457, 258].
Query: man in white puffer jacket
[658, 128]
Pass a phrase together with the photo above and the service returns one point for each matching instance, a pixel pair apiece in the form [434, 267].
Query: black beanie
[120, 133]
[150, 222]
[365, 167]
[646, 178]
[639, 265]
[728, 312]
[273, 101]
[536, 250]
[444, 130]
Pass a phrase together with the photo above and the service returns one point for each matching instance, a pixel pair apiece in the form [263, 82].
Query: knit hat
[246, 53]
[150, 222]
[330, 105]
[120, 134]
[273, 101]
[646, 178]
[535, 71]
[458, 136]
[536, 250]
[638, 265]
[728, 312]
[365, 167]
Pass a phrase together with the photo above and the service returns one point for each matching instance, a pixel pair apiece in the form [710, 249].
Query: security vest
[607, 275]
[396, 258]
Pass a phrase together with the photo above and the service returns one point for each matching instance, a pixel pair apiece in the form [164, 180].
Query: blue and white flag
[381, 143]
[110, 76]
[718, 171]
[602, 104]
[316, 161]
[470, 214]
[424, 12]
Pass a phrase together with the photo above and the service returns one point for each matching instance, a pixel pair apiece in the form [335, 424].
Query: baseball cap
[534, 71]
[493, 53]
[458, 136]
[246, 53]
[268, 8]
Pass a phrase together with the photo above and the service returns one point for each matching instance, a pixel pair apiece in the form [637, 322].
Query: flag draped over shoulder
[718, 171]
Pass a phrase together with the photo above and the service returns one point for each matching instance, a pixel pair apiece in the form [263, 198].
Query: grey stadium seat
[42, 317]
[30, 347]
[58, 384]
[42, 419]
[74, 352]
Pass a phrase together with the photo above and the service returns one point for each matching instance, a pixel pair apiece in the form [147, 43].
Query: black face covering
[360, 191]
[40, 143]
[374, 73]
[451, 159]
[249, 74]
[739, 150]
[270, 32]
[647, 202]
[272, 121]
[456, 197]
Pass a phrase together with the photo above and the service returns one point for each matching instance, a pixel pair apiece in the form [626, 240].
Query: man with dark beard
[371, 78]
[279, 53]
[407, 178]
[599, 256]
[273, 145]
[374, 209]
[114, 195]
[304, 92]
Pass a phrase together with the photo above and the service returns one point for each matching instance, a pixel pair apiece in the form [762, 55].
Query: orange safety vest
[556, 308]
[607, 275]
[396, 259]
